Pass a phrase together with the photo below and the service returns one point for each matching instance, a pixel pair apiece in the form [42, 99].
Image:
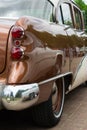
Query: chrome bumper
[19, 97]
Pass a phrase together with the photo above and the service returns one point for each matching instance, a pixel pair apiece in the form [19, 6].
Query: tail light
[17, 33]
[17, 53]
[17, 43]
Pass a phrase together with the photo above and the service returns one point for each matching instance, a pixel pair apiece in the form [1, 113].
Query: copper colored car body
[41, 59]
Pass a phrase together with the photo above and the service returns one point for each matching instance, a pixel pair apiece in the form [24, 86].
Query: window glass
[59, 16]
[78, 19]
[66, 12]
[16, 8]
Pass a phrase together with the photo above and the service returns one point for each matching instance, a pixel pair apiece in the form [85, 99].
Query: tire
[48, 114]
[86, 83]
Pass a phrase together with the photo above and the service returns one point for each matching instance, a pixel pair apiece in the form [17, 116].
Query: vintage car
[42, 56]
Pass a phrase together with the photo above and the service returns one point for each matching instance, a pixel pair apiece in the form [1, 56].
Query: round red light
[17, 32]
[17, 43]
[16, 53]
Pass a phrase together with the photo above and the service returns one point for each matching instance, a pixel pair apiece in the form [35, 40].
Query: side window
[78, 19]
[60, 19]
[64, 14]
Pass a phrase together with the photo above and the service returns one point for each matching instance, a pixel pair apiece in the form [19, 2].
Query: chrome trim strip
[54, 78]
[19, 97]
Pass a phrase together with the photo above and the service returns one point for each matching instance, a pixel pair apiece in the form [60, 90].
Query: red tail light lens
[17, 53]
[17, 32]
[17, 43]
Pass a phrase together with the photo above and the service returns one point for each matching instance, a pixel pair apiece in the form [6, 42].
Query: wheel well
[59, 62]
[59, 59]
[67, 81]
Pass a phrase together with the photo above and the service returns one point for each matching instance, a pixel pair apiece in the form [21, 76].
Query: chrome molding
[54, 78]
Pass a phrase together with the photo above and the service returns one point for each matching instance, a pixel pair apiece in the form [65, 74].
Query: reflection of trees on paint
[75, 51]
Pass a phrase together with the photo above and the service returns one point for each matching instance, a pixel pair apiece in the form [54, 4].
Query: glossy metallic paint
[49, 49]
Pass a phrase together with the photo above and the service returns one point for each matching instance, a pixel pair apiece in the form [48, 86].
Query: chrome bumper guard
[18, 97]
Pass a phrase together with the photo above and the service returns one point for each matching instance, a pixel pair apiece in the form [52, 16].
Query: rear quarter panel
[41, 47]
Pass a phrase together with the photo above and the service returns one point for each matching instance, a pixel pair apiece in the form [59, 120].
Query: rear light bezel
[17, 44]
